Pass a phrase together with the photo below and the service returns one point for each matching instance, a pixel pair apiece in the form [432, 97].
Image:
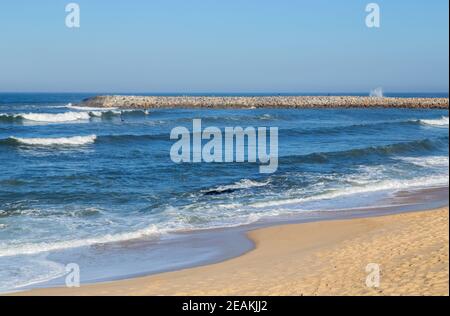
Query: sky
[163, 46]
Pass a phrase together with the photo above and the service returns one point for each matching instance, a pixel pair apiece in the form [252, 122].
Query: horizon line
[220, 92]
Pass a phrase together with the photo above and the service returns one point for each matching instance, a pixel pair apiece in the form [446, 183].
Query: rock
[152, 102]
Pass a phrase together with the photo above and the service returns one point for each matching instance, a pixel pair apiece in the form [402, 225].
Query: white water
[55, 118]
[433, 162]
[383, 185]
[62, 141]
[34, 248]
[242, 184]
[254, 211]
[29, 271]
[443, 122]
[377, 93]
[85, 108]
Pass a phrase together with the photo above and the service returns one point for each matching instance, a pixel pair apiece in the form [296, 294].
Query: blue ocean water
[75, 178]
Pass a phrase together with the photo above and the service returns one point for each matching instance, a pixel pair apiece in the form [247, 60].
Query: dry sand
[322, 258]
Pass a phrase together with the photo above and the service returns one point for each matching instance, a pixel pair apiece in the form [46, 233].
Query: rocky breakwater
[151, 102]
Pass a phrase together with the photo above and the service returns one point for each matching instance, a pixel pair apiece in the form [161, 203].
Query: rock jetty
[151, 102]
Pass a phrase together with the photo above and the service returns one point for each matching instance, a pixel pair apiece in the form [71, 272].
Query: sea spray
[377, 93]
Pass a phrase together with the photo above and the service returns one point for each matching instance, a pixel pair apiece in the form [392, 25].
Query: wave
[404, 146]
[244, 184]
[153, 231]
[79, 140]
[32, 271]
[423, 145]
[443, 121]
[109, 113]
[46, 117]
[384, 185]
[85, 108]
[10, 118]
[55, 118]
[353, 128]
[34, 248]
[68, 116]
[433, 162]
[240, 185]
[62, 141]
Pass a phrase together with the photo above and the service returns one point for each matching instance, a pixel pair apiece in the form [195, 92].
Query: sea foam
[61, 141]
[55, 117]
[443, 122]
[383, 185]
[34, 248]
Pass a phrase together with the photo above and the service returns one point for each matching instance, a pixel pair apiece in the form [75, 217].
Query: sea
[97, 187]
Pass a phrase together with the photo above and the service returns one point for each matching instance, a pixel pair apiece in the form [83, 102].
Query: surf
[67, 117]
[60, 141]
[442, 122]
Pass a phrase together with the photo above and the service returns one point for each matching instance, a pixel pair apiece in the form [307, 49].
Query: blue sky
[224, 46]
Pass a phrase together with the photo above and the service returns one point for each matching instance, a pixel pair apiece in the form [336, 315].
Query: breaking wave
[46, 117]
[240, 185]
[68, 116]
[443, 122]
[391, 185]
[34, 248]
[62, 141]
[423, 145]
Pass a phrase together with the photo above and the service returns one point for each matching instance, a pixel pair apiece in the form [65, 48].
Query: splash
[377, 93]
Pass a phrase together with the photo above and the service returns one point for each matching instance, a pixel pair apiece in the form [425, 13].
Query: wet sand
[319, 258]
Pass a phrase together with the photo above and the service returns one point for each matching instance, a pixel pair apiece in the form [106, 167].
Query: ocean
[98, 187]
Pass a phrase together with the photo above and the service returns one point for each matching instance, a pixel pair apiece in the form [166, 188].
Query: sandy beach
[320, 258]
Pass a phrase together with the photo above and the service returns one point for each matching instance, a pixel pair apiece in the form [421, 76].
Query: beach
[320, 258]
[98, 187]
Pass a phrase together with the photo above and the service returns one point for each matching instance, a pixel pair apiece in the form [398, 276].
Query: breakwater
[149, 102]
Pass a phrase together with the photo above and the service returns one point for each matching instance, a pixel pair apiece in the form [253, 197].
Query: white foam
[55, 117]
[34, 248]
[433, 161]
[62, 141]
[98, 110]
[96, 113]
[99, 113]
[242, 184]
[383, 185]
[87, 108]
[265, 117]
[28, 271]
[59, 106]
[443, 121]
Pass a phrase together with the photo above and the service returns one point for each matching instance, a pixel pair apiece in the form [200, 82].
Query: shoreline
[326, 234]
[251, 102]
